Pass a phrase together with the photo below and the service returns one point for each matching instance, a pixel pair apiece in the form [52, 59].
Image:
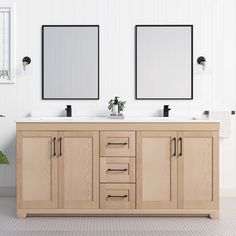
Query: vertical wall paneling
[214, 37]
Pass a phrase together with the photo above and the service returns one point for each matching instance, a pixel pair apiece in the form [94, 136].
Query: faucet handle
[68, 111]
[166, 110]
[68, 107]
[166, 107]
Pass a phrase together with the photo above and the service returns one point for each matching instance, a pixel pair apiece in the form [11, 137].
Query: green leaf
[122, 105]
[110, 104]
[3, 159]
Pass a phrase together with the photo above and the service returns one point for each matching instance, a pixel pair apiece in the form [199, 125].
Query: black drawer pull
[118, 196]
[117, 169]
[117, 143]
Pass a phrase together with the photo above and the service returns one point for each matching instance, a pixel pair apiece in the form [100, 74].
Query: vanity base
[23, 213]
[122, 169]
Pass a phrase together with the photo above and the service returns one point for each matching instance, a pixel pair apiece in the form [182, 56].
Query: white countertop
[104, 119]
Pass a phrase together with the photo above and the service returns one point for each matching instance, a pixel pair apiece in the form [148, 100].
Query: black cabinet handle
[54, 146]
[117, 169]
[117, 143]
[181, 147]
[118, 196]
[60, 152]
[174, 154]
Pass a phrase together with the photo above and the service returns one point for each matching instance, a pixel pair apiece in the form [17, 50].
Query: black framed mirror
[164, 62]
[70, 62]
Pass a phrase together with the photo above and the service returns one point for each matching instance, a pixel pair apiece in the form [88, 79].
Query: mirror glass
[6, 45]
[70, 62]
[164, 63]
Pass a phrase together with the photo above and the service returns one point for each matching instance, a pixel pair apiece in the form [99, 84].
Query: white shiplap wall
[214, 37]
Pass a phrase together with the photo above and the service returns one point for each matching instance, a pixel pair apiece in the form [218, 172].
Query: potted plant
[3, 157]
[116, 106]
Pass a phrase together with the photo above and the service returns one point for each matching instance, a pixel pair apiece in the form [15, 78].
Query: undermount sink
[62, 118]
[164, 118]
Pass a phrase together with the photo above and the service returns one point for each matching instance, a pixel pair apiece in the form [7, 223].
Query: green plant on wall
[121, 105]
[3, 159]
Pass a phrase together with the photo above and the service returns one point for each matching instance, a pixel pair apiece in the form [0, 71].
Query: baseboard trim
[7, 191]
[228, 192]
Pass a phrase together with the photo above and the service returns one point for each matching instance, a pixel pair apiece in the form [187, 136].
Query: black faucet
[166, 111]
[68, 111]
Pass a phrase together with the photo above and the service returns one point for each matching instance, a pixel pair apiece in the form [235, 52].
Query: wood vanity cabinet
[37, 169]
[57, 169]
[156, 169]
[78, 160]
[117, 168]
[198, 170]
[177, 169]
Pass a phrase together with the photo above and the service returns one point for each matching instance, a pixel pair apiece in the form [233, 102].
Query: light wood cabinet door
[156, 169]
[198, 169]
[37, 175]
[78, 169]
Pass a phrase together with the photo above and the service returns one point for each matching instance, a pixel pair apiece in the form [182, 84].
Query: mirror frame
[136, 74]
[42, 32]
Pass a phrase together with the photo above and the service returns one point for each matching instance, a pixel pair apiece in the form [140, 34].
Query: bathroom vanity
[101, 166]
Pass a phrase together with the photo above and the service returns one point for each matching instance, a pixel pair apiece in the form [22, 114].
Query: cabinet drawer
[117, 169]
[117, 196]
[117, 143]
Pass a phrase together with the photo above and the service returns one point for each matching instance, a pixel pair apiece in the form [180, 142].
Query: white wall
[214, 37]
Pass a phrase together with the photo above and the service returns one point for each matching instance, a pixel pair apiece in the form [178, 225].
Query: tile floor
[117, 226]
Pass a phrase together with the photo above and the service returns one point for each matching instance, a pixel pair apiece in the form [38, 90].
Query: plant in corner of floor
[3, 159]
[121, 105]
